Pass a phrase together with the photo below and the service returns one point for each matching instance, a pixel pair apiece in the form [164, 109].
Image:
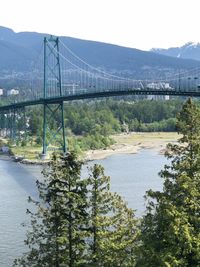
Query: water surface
[131, 175]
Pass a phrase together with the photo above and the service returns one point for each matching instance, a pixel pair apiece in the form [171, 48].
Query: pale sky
[141, 24]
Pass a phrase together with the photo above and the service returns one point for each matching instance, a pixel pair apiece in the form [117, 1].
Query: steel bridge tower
[53, 113]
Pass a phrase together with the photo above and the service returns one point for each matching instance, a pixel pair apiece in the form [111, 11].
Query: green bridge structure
[62, 76]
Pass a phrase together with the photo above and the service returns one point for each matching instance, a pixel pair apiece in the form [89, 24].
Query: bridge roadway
[81, 96]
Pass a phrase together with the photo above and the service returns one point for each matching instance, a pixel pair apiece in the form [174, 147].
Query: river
[131, 175]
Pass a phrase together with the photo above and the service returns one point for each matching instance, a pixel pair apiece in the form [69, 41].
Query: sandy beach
[133, 142]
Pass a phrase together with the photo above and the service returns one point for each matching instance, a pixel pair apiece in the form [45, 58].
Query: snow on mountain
[190, 50]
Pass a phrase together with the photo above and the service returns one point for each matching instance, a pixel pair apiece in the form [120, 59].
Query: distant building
[1, 91]
[158, 86]
[158, 97]
[5, 149]
[154, 86]
[12, 92]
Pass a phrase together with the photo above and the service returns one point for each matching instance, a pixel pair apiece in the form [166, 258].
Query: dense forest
[89, 124]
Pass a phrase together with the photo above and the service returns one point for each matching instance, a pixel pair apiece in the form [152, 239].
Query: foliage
[90, 124]
[113, 228]
[78, 222]
[55, 238]
[170, 231]
[107, 117]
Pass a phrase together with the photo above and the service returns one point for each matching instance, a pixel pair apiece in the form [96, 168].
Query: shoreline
[132, 143]
[19, 159]
[120, 149]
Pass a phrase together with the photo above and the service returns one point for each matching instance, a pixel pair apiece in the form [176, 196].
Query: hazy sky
[141, 24]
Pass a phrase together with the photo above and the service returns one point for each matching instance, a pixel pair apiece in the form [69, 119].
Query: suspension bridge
[60, 75]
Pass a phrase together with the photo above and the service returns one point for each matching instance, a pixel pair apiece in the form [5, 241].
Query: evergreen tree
[57, 236]
[113, 228]
[78, 222]
[170, 232]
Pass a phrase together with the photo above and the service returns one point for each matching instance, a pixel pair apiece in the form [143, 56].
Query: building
[12, 92]
[159, 86]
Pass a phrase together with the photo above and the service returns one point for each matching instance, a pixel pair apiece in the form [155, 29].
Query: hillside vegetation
[89, 125]
[18, 52]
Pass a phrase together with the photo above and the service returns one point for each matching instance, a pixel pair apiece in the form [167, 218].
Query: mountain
[188, 51]
[18, 50]
[126, 60]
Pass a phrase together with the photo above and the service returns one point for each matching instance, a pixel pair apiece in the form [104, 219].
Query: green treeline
[78, 222]
[90, 124]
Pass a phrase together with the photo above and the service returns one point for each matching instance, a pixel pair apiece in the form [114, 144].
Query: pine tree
[78, 222]
[170, 232]
[113, 228]
[57, 235]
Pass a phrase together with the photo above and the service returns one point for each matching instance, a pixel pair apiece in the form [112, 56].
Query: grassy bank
[155, 137]
[28, 152]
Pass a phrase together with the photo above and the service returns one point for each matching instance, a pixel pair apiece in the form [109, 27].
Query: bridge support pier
[53, 128]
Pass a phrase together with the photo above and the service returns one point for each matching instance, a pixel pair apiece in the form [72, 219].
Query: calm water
[131, 176]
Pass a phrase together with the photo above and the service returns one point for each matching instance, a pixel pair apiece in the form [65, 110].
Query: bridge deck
[65, 98]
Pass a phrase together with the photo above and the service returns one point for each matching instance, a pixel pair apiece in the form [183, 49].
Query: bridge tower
[53, 113]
